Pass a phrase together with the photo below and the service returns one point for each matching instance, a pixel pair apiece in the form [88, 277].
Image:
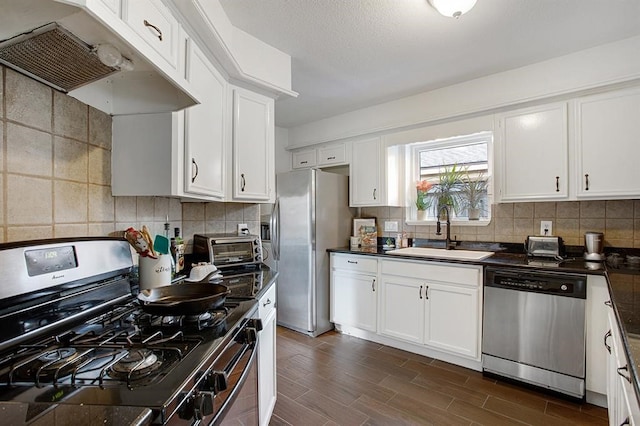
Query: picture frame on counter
[358, 223]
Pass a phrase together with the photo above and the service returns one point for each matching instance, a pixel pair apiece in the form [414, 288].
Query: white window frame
[413, 175]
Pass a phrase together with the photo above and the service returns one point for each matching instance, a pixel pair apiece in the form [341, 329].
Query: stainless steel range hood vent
[54, 56]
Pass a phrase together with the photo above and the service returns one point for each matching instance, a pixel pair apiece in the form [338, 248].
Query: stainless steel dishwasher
[534, 328]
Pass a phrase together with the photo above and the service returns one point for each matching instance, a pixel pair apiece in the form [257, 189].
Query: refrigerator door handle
[275, 230]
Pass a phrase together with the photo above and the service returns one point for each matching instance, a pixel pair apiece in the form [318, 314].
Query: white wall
[283, 157]
[566, 76]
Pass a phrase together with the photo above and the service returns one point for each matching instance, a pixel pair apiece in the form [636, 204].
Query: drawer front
[267, 303]
[152, 21]
[304, 159]
[354, 263]
[448, 273]
[335, 154]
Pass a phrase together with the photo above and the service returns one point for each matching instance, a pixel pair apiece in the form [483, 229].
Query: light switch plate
[546, 227]
[243, 229]
[391, 226]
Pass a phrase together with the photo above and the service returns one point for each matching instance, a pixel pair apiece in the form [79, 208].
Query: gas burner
[136, 363]
[57, 356]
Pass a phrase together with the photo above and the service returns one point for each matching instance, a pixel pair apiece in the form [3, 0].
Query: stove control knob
[203, 405]
[563, 287]
[186, 409]
[216, 382]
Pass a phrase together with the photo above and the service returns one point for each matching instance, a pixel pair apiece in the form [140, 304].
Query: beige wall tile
[97, 229]
[619, 229]
[544, 209]
[231, 226]
[523, 227]
[523, 210]
[29, 151]
[567, 228]
[21, 233]
[592, 225]
[396, 213]
[214, 226]
[175, 210]
[72, 230]
[636, 229]
[234, 212]
[70, 159]
[101, 205]
[251, 212]
[70, 202]
[215, 212]
[99, 128]
[503, 210]
[1, 199]
[619, 209]
[70, 117]
[193, 211]
[503, 226]
[191, 227]
[145, 210]
[568, 209]
[1, 132]
[126, 210]
[592, 209]
[28, 101]
[99, 165]
[254, 227]
[2, 240]
[29, 200]
[161, 209]
[1, 100]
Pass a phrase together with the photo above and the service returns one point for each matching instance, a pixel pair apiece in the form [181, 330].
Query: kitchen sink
[442, 253]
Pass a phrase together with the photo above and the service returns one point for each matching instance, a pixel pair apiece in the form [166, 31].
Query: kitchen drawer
[152, 21]
[455, 274]
[334, 154]
[267, 303]
[304, 159]
[354, 263]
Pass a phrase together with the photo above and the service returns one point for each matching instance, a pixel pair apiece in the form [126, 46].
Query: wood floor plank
[425, 412]
[572, 416]
[389, 368]
[519, 395]
[383, 414]
[436, 372]
[480, 415]
[454, 390]
[523, 414]
[295, 413]
[424, 396]
[289, 387]
[332, 409]
[407, 355]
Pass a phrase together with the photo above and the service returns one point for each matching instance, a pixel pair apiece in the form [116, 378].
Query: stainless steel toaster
[540, 246]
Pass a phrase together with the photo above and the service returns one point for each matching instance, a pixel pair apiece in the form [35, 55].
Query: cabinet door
[366, 173]
[597, 326]
[253, 146]
[452, 320]
[607, 129]
[353, 300]
[267, 369]
[534, 146]
[205, 132]
[303, 159]
[332, 155]
[402, 308]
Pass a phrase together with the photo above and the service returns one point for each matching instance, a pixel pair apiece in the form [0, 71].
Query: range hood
[54, 56]
[57, 43]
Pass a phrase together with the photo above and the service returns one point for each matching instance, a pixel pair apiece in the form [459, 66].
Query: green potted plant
[447, 191]
[473, 190]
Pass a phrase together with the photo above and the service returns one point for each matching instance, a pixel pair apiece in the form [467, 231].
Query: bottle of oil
[178, 243]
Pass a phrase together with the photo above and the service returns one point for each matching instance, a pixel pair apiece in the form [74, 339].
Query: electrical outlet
[546, 227]
[391, 226]
[243, 229]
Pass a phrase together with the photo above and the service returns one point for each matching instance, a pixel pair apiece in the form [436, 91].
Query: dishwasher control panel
[572, 285]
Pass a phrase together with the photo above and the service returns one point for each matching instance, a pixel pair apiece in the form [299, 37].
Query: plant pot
[422, 215]
[474, 214]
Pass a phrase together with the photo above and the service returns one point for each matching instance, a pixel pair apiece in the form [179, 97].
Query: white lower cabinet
[597, 324]
[435, 304]
[267, 391]
[354, 291]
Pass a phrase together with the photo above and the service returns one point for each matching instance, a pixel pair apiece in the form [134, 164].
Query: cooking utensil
[161, 244]
[183, 299]
[202, 271]
[139, 242]
[147, 237]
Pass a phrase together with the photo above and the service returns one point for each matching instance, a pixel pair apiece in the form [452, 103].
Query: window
[454, 172]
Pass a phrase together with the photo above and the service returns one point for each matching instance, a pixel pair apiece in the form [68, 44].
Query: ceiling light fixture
[453, 8]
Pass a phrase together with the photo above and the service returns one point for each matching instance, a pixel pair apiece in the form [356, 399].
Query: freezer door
[296, 266]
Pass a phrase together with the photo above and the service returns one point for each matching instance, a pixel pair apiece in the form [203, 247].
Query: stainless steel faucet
[448, 244]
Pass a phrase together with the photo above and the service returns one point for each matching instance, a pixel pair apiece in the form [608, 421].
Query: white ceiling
[349, 54]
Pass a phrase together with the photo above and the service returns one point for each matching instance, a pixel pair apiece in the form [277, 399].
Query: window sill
[454, 222]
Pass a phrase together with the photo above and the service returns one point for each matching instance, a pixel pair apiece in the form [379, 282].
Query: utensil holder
[154, 272]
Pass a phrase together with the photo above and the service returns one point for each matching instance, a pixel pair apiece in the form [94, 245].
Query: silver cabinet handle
[420, 292]
[557, 183]
[426, 292]
[243, 182]
[194, 176]
[608, 303]
[627, 377]
[352, 262]
[373, 285]
[606, 336]
[268, 302]
[148, 24]
[586, 182]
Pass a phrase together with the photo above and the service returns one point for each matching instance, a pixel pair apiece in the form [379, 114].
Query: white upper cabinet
[533, 146]
[332, 155]
[376, 174]
[253, 147]
[205, 128]
[303, 159]
[607, 129]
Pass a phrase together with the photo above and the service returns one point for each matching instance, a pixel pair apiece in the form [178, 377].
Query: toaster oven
[228, 250]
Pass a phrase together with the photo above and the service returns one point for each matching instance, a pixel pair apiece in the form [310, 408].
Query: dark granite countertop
[43, 414]
[622, 273]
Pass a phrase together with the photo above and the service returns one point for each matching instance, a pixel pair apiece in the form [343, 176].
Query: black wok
[183, 299]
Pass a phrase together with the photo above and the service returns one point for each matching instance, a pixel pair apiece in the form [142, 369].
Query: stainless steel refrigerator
[311, 214]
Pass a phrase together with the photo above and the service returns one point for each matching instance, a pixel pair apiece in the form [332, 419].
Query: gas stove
[86, 341]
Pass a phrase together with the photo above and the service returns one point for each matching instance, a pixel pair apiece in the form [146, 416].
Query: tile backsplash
[55, 174]
[619, 220]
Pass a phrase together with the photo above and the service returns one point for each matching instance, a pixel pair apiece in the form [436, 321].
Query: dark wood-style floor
[341, 380]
